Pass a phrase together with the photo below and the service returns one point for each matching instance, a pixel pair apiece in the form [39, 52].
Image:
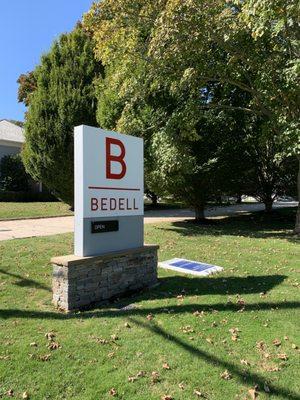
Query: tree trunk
[199, 213]
[297, 224]
[152, 196]
[219, 200]
[268, 202]
[154, 199]
[268, 205]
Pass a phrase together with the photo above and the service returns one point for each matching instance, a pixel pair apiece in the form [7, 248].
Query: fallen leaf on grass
[283, 356]
[187, 329]
[245, 362]
[154, 377]
[198, 393]
[234, 337]
[166, 397]
[33, 344]
[166, 366]
[45, 357]
[234, 331]
[240, 301]
[199, 313]
[181, 386]
[271, 368]
[226, 375]
[127, 325]
[294, 346]
[276, 342]
[10, 393]
[99, 339]
[114, 337]
[150, 317]
[112, 392]
[50, 335]
[253, 393]
[141, 374]
[209, 340]
[111, 355]
[54, 346]
[260, 345]
[25, 395]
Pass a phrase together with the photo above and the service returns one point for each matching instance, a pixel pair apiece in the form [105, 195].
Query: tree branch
[227, 107]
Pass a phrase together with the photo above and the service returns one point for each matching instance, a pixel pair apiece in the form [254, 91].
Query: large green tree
[175, 49]
[60, 94]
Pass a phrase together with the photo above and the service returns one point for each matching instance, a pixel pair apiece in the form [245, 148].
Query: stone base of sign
[81, 282]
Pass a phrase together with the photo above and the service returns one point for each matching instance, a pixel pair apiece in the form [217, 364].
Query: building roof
[10, 132]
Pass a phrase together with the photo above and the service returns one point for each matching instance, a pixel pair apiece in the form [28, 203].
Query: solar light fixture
[190, 267]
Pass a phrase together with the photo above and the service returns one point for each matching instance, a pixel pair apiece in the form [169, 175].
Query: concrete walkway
[52, 226]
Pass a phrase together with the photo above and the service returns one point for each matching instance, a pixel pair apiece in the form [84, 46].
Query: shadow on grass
[176, 284]
[243, 376]
[212, 359]
[24, 282]
[109, 312]
[232, 285]
[170, 287]
[279, 224]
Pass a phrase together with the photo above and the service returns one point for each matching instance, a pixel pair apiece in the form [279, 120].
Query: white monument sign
[109, 191]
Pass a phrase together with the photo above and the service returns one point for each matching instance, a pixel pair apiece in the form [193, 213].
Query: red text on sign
[112, 204]
[110, 159]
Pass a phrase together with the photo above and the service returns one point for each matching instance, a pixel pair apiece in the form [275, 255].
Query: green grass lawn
[244, 321]
[20, 210]
[32, 210]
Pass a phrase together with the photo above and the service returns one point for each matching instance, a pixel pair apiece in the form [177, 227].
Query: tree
[269, 175]
[187, 50]
[13, 176]
[64, 96]
[250, 45]
[27, 85]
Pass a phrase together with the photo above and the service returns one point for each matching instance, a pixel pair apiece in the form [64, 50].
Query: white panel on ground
[190, 267]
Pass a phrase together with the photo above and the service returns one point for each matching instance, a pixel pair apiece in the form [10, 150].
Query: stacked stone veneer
[80, 282]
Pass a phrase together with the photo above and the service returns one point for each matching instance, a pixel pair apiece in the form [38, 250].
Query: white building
[11, 138]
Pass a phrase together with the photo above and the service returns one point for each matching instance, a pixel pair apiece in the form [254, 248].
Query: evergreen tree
[63, 98]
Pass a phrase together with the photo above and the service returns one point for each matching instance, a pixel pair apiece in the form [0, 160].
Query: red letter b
[111, 158]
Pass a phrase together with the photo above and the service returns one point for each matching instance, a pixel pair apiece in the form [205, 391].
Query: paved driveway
[51, 226]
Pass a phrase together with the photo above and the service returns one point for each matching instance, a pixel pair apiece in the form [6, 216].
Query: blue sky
[27, 30]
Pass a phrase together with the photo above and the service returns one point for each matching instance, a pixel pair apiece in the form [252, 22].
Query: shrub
[13, 176]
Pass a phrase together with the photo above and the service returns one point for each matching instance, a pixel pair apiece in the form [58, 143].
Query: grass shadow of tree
[278, 224]
[25, 282]
[212, 359]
